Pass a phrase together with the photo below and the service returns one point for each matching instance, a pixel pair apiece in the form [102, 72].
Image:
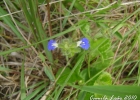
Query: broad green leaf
[101, 51]
[101, 47]
[78, 6]
[95, 70]
[104, 46]
[63, 76]
[104, 79]
[96, 43]
[99, 64]
[85, 29]
[107, 55]
[75, 77]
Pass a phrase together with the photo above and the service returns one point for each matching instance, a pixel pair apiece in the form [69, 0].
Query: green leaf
[121, 91]
[95, 44]
[101, 51]
[95, 70]
[104, 46]
[42, 57]
[80, 60]
[78, 6]
[104, 79]
[118, 34]
[75, 77]
[63, 76]
[49, 73]
[85, 29]
[101, 47]
[83, 95]
[100, 65]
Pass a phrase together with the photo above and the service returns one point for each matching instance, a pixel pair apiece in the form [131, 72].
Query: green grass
[109, 68]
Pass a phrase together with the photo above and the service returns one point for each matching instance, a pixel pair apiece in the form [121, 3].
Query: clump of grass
[110, 67]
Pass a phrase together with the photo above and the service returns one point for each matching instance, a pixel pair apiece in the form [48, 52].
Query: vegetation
[69, 49]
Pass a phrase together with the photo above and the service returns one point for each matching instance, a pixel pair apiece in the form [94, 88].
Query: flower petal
[84, 43]
[52, 45]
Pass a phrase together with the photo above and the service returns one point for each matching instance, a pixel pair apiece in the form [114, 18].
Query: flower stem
[67, 59]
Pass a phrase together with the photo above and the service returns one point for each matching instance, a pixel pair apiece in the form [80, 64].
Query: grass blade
[121, 91]
[23, 88]
[65, 82]
[57, 35]
[9, 22]
[33, 94]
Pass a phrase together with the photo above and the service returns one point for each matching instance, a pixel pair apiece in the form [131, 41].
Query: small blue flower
[83, 43]
[52, 45]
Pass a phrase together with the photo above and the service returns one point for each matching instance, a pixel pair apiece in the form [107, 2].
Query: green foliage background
[110, 67]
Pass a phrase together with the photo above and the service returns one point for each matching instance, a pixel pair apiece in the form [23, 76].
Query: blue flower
[83, 43]
[52, 45]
